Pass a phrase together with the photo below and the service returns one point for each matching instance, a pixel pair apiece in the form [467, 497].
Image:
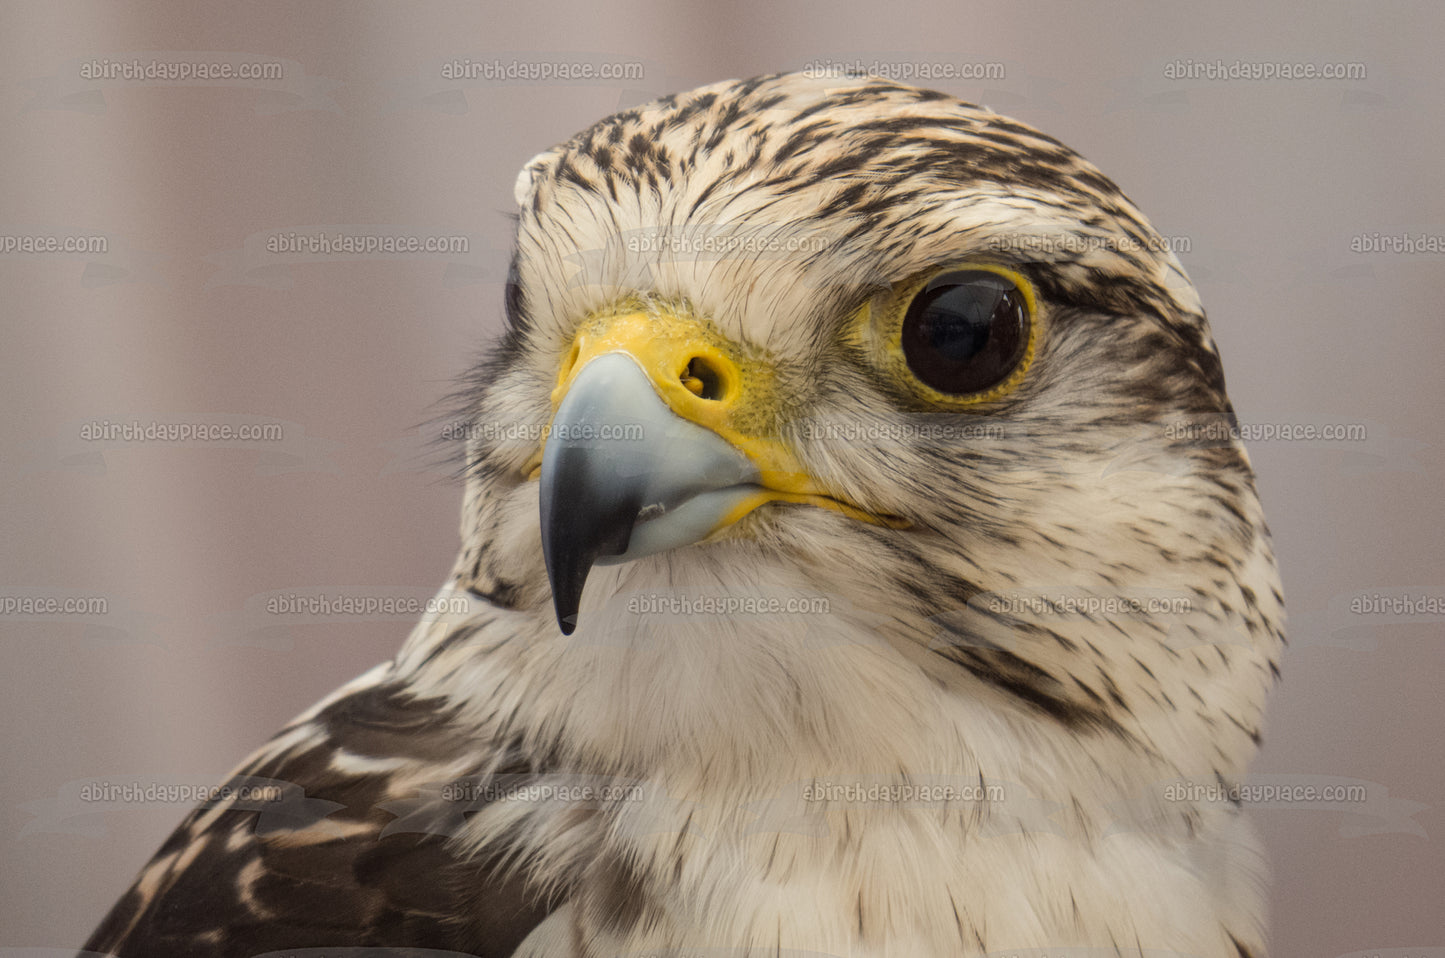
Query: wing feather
[321, 868]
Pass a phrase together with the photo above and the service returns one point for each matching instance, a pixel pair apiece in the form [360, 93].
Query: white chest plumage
[795, 781]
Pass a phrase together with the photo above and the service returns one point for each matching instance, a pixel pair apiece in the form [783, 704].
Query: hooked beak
[649, 450]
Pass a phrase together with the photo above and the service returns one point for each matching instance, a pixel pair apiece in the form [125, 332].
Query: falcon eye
[966, 331]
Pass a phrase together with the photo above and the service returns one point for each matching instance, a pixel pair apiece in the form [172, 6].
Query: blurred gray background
[1295, 198]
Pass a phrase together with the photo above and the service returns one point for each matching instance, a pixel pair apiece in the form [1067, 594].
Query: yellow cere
[703, 378]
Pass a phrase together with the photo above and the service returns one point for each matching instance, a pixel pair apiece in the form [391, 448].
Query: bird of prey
[859, 559]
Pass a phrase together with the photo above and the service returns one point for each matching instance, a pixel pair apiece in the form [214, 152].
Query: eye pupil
[951, 328]
[965, 331]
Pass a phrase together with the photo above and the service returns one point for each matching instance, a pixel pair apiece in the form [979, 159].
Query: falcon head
[841, 432]
[837, 336]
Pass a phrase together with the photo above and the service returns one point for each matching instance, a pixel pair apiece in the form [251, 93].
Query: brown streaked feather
[231, 884]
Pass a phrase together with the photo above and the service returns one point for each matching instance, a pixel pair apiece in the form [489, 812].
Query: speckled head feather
[838, 187]
[1059, 591]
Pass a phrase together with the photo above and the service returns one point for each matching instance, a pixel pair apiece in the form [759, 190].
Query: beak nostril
[703, 379]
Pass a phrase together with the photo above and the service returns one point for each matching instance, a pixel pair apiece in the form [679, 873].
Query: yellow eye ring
[957, 336]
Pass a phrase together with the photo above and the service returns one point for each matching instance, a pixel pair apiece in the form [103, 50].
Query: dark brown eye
[966, 331]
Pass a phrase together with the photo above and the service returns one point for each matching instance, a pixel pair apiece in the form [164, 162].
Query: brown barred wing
[306, 848]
